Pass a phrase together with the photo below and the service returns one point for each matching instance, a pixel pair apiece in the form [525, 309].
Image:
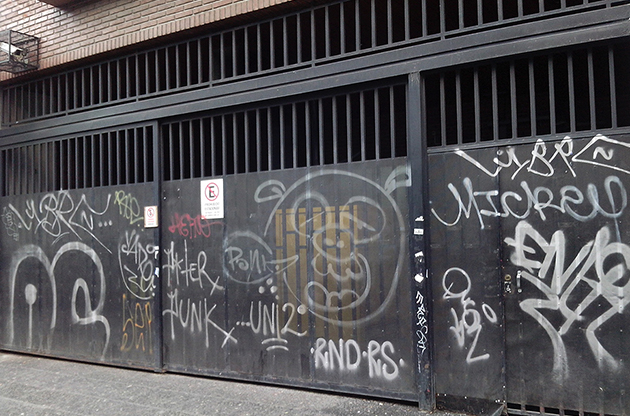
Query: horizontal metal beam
[574, 30]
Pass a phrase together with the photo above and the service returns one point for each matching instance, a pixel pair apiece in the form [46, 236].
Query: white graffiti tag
[468, 323]
[600, 264]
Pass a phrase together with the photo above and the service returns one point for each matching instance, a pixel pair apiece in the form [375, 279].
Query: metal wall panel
[77, 275]
[304, 280]
[535, 231]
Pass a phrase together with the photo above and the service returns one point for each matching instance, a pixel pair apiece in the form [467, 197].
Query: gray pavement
[37, 386]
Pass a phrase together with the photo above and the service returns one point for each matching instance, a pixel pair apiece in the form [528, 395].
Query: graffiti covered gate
[257, 248]
[529, 254]
[79, 265]
[275, 268]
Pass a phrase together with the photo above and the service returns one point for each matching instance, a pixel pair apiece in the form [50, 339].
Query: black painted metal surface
[78, 275]
[304, 280]
[539, 229]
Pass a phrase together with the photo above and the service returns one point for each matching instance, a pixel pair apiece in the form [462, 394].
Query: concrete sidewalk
[40, 386]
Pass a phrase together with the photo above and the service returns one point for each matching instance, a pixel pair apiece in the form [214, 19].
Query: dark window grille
[352, 127]
[565, 92]
[299, 39]
[118, 157]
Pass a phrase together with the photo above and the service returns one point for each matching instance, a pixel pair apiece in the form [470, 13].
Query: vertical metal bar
[171, 152]
[17, 171]
[392, 122]
[222, 53]
[458, 109]
[167, 59]
[51, 95]
[182, 154]
[495, 104]
[223, 144]
[97, 98]
[153, 167]
[514, 112]
[477, 105]
[213, 149]
[128, 76]
[552, 95]
[29, 167]
[269, 141]
[342, 28]
[519, 6]
[407, 20]
[191, 146]
[235, 147]
[102, 143]
[377, 124]
[282, 137]
[442, 109]
[86, 164]
[591, 88]
[258, 144]
[373, 21]
[327, 30]
[199, 62]
[45, 167]
[27, 90]
[460, 5]
[390, 28]
[500, 10]
[443, 17]
[4, 171]
[349, 126]
[320, 104]
[299, 38]
[137, 76]
[295, 134]
[532, 98]
[571, 76]
[234, 57]
[246, 50]
[56, 166]
[335, 126]
[210, 66]
[272, 49]
[258, 47]
[613, 89]
[189, 69]
[307, 117]
[202, 148]
[480, 13]
[71, 169]
[121, 151]
[285, 42]
[157, 70]
[246, 134]
[363, 125]
[93, 164]
[357, 24]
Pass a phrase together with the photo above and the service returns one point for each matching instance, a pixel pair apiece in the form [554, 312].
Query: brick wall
[89, 27]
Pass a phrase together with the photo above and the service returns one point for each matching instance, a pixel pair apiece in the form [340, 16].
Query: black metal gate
[529, 255]
[284, 243]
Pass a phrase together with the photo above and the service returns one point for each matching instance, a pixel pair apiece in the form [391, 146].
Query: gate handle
[518, 282]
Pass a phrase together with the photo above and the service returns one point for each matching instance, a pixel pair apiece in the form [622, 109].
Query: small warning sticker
[150, 217]
[212, 198]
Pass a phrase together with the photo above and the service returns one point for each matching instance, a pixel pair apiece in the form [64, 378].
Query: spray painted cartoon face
[330, 229]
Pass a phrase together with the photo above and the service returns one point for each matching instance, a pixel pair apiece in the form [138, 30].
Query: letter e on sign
[212, 198]
[150, 217]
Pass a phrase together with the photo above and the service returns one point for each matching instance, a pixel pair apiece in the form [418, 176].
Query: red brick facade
[84, 28]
